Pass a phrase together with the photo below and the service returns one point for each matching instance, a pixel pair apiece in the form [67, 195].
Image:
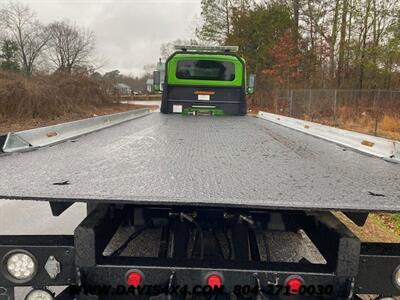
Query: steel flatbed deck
[213, 161]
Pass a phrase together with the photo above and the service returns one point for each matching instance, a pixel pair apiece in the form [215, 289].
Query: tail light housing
[293, 284]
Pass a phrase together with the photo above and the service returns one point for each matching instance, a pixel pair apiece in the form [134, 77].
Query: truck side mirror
[156, 80]
[251, 84]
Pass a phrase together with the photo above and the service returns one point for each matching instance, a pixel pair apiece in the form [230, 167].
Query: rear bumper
[352, 267]
[229, 100]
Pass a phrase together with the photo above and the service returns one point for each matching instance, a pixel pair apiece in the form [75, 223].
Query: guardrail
[372, 145]
[46, 136]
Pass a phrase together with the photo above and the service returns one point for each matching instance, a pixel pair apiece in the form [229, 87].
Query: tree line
[137, 83]
[310, 43]
[27, 45]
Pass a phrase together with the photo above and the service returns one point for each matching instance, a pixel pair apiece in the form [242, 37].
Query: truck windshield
[205, 70]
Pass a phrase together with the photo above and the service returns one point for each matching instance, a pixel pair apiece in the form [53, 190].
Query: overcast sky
[129, 33]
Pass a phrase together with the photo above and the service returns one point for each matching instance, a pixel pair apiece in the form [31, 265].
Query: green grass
[396, 221]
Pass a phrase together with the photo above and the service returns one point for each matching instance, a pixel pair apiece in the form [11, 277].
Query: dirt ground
[12, 125]
[374, 230]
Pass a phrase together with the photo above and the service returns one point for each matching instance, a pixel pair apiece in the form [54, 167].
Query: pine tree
[216, 15]
[8, 56]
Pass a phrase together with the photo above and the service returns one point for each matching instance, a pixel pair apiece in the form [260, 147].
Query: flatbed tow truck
[198, 195]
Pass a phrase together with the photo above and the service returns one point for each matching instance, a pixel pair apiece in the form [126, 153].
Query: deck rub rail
[49, 135]
[376, 146]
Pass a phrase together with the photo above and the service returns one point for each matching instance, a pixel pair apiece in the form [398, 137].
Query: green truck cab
[205, 80]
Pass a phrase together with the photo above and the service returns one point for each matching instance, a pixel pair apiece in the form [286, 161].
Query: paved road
[31, 217]
[145, 102]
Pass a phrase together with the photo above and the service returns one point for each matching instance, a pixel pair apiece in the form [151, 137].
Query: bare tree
[342, 41]
[148, 69]
[296, 16]
[27, 32]
[168, 48]
[70, 46]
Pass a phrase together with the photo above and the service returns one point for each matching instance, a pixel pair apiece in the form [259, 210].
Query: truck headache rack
[187, 249]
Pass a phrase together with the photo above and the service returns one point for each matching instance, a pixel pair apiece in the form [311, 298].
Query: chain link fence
[370, 111]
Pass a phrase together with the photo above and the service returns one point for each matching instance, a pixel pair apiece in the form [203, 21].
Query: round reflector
[294, 285]
[134, 279]
[19, 266]
[214, 280]
[396, 277]
[39, 295]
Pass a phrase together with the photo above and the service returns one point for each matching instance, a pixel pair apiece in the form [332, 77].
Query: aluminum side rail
[376, 146]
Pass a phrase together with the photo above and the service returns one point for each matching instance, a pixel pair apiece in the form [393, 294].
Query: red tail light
[134, 279]
[214, 280]
[294, 285]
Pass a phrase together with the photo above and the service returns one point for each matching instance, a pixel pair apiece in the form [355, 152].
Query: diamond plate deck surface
[226, 161]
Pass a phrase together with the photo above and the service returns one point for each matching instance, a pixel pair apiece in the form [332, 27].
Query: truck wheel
[164, 108]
